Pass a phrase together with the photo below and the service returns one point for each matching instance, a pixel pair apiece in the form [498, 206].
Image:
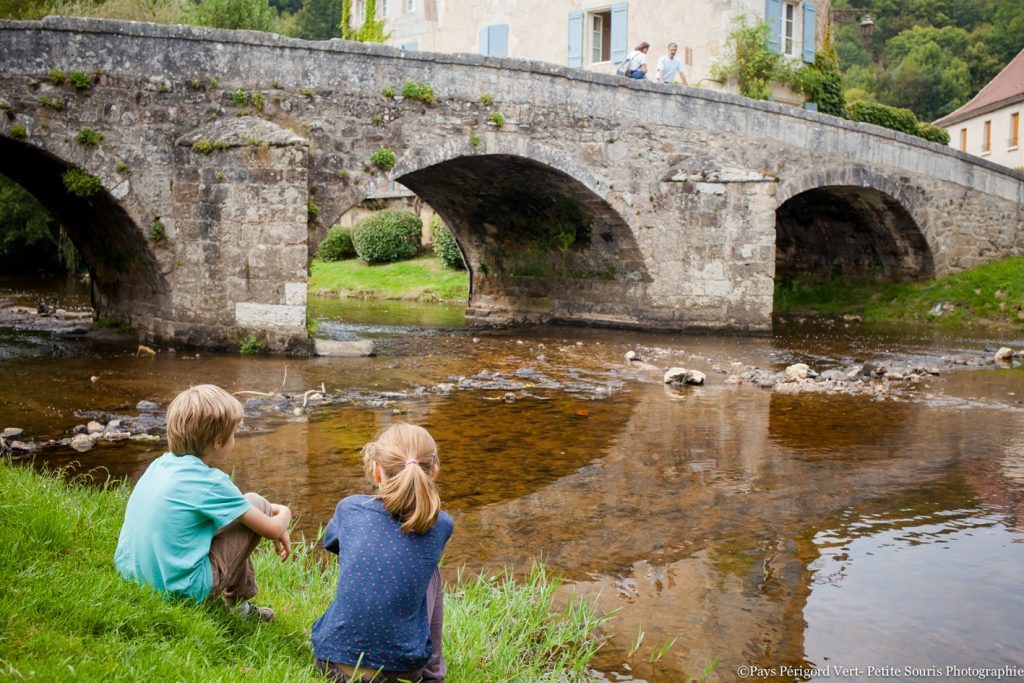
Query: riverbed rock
[1004, 355]
[82, 443]
[797, 371]
[677, 376]
[93, 427]
[146, 407]
[343, 349]
[630, 356]
[11, 432]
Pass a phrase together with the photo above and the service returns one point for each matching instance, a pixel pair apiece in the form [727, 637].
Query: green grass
[419, 279]
[65, 614]
[988, 296]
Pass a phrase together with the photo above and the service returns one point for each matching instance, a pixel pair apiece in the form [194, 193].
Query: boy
[188, 531]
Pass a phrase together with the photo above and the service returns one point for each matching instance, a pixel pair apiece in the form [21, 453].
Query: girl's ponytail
[407, 456]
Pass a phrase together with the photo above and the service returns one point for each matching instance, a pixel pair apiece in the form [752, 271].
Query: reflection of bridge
[689, 198]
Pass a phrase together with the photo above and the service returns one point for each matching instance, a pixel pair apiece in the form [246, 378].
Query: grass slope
[65, 614]
[990, 295]
[421, 279]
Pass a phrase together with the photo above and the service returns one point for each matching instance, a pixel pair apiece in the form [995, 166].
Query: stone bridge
[197, 170]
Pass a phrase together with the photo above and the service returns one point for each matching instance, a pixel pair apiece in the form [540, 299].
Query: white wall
[1000, 151]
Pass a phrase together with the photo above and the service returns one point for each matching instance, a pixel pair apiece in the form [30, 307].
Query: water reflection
[770, 530]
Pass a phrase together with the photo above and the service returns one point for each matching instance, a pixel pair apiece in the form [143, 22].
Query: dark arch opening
[854, 231]
[538, 243]
[126, 281]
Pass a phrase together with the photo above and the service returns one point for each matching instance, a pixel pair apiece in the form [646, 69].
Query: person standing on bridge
[636, 65]
[670, 68]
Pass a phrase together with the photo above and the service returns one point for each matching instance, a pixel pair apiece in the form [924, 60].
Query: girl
[386, 618]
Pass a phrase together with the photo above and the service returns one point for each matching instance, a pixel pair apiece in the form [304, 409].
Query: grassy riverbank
[65, 614]
[989, 296]
[419, 279]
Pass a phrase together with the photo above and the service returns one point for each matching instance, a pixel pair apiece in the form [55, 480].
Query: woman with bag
[636, 65]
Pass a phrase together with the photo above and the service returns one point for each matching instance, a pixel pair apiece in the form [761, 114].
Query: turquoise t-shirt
[177, 506]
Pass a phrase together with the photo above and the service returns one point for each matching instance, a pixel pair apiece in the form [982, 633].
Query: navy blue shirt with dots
[380, 609]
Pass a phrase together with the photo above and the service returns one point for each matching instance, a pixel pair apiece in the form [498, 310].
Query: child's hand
[283, 543]
[283, 546]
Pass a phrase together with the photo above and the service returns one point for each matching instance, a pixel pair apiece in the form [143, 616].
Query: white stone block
[270, 317]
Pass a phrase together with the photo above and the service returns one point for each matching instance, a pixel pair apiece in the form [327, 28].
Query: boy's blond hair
[200, 416]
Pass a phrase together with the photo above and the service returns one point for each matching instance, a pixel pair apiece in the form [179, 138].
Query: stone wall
[678, 188]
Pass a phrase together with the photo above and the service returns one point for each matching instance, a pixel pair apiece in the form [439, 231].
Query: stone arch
[510, 205]
[851, 221]
[126, 280]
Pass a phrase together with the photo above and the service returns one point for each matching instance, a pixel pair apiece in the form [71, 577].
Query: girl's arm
[332, 541]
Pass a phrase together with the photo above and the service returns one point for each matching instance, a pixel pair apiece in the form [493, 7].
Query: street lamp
[867, 26]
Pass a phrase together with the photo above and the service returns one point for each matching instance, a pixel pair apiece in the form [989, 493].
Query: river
[791, 535]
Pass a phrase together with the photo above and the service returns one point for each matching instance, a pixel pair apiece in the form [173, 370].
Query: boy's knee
[258, 502]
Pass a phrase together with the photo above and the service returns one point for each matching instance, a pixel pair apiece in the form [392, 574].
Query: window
[600, 37]
[1014, 129]
[410, 5]
[384, 9]
[494, 40]
[963, 139]
[788, 29]
[986, 138]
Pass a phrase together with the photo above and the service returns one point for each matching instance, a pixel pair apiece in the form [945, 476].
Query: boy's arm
[273, 526]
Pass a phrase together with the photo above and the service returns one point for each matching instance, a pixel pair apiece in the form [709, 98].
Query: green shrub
[157, 231]
[474, 139]
[445, 246]
[894, 118]
[80, 183]
[387, 236]
[498, 119]
[56, 104]
[88, 138]
[384, 159]
[931, 132]
[312, 209]
[81, 80]
[18, 131]
[388, 92]
[57, 76]
[202, 146]
[418, 91]
[239, 97]
[487, 99]
[250, 346]
[337, 245]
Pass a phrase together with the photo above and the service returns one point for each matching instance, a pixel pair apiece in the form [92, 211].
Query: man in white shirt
[669, 67]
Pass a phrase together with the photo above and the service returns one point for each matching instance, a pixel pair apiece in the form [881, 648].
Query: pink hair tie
[412, 461]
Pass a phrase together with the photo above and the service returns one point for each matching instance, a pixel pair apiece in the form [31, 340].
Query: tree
[319, 20]
[256, 15]
[928, 78]
[30, 238]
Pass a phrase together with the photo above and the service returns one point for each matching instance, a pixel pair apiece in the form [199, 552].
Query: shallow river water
[793, 536]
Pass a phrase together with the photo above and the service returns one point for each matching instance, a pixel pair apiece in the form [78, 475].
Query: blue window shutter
[810, 31]
[773, 16]
[576, 39]
[620, 46]
[484, 33]
[497, 40]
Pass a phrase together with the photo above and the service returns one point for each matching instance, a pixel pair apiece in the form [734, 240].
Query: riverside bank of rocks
[884, 379]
